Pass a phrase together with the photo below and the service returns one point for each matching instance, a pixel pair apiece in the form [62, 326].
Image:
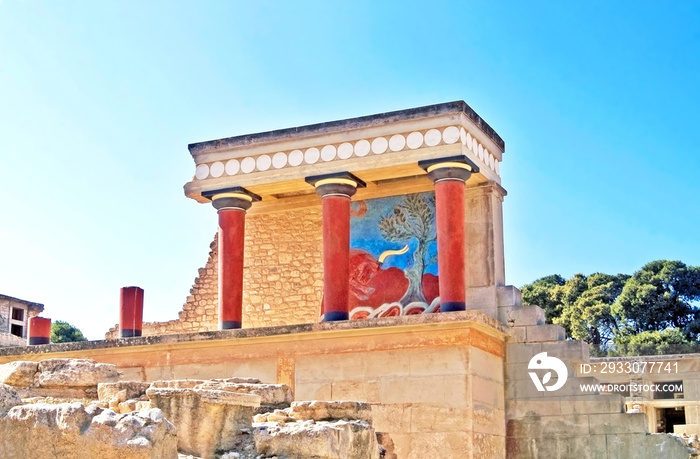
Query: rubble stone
[8, 398]
[319, 440]
[208, 421]
[121, 391]
[18, 374]
[328, 411]
[72, 431]
[270, 394]
[74, 373]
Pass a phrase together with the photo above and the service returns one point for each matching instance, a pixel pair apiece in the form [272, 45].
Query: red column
[449, 176]
[232, 206]
[231, 240]
[130, 312]
[449, 216]
[335, 191]
[39, 331]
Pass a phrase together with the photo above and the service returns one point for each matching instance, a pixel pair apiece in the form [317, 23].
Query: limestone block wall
[282, 277]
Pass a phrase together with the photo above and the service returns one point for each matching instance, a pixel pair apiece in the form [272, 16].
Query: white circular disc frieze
[397, 142]
[345, 150]
[492, 162]
[432, 137]
[451, 134]
[463, 135]
[481, 151]
[263, 162]
[217, 169]
[498, 169]
[201, 172]
[469, 142]
[312, 155]
[379, 145]
[232, 167]
[328, 153]
[362, 148]
[248, 165]
[296, 157]
[279, 160]
[414, 140]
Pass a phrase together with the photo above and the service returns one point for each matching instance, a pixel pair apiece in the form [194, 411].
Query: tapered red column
[335, 191]
[449, 176]
[39, 331]
[231, 205]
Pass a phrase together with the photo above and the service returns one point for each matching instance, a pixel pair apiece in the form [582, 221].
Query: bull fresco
[393, 257]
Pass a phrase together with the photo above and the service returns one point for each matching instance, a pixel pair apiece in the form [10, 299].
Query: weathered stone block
[617, 423]
[491, 446]
[449, 390]
[521, 316]
[207, 421]
[394, 418]
[436, 418]
[509, 295]
[642, 446]
[331, 411]
[517, 334]
[439, 445]
[75, 373]
[518, 409]
[522, 353]
[121, 391]
[545, 333]
[322, 440]
[593, 404]
[18, 374]
[486, 365]
[364, 391]
[571, 352]
[72, 431]
[270, 394]
[568, 426]
[9, 398]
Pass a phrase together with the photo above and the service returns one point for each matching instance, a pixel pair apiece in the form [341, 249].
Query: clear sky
[597, 102]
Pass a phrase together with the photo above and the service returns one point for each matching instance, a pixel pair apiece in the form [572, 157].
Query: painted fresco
[393, 257]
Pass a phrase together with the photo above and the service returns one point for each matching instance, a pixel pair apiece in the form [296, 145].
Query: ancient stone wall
[282, 280]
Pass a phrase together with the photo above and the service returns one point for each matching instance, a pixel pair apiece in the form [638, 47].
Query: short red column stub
[39, 331]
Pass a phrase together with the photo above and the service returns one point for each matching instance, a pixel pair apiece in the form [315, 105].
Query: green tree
[657, 310]
[586, 313]
[654, 342]
[63, 332]
[545, 293]
[663, 294]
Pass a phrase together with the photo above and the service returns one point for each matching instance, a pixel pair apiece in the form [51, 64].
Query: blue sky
[597, 102]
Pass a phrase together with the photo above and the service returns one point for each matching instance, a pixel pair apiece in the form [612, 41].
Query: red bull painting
[393, 257]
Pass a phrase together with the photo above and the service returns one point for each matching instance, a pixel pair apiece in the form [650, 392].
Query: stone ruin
[77, 408]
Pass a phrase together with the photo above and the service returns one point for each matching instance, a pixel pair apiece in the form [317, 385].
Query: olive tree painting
[393, 257]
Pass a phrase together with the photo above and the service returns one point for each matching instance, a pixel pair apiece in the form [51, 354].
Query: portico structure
[446, 148]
